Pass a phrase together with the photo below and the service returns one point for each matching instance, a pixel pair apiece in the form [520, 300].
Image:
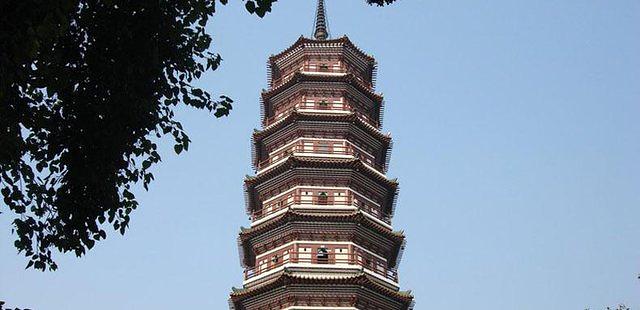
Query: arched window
[323, 255]
[323, 198]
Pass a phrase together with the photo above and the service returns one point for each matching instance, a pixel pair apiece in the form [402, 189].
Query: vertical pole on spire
[320, 31]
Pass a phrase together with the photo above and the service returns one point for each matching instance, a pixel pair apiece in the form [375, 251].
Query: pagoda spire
[320, 30]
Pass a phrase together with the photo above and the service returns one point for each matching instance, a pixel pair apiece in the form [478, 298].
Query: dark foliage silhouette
[86, 87]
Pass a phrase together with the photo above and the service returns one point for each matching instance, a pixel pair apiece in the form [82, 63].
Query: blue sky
[517, 142]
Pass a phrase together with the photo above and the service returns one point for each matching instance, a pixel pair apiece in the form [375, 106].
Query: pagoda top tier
[304, 42]
[322, 75]
[322, 55]
[331, 56]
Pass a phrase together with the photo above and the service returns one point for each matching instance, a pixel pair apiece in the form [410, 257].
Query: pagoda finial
[320, 31]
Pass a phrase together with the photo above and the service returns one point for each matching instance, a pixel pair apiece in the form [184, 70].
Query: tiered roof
[296, 116]
[299, 78]
[396, 238]
[350, 164]
[292, 216]
[303, 42]
[287, 278]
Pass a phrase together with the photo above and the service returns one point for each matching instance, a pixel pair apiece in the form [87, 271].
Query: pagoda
[320, 203]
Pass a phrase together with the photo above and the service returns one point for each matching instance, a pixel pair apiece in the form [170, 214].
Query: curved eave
[302, 40]
[353, 164]
[310, 162]
[299, 76]
[287, 278]
[358, 217]
[296, 116]
[304, 116]
[293, 216]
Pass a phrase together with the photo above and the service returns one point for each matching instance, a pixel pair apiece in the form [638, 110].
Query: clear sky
[517, 146]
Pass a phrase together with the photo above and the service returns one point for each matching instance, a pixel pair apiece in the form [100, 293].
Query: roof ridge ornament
[321, 31]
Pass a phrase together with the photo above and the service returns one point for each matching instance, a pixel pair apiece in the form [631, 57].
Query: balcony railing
[321, 68]
[350, 199]
[338, 259]
[318, 107]
[306, 68]
[324, 106]
[301, 148]
[288, 73]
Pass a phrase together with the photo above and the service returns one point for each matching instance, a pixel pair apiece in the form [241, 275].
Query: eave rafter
[287, 278]
[297, 118]
[396, 238]
[302, 42]
[300, 77]
[292, 162]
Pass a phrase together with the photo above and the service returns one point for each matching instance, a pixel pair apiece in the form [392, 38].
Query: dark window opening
[324, 147]
[323, 198]
[323, 255]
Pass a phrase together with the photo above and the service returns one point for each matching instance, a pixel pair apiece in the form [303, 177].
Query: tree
[86, 87]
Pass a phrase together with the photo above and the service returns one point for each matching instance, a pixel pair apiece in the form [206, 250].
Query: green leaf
[39, 265]
[227, 99]
[127, 194]
[90, 243]
[111, 99]
[178, 148]
[250, 6]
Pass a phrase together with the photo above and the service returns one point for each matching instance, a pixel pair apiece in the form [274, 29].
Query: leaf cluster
[87, 87]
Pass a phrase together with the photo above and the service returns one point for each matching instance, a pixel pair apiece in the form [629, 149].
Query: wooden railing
[301, 148]
[357, 259]
[320, 68]
[350, 199]
[324, 106]
[318, 107]
[306, 68]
